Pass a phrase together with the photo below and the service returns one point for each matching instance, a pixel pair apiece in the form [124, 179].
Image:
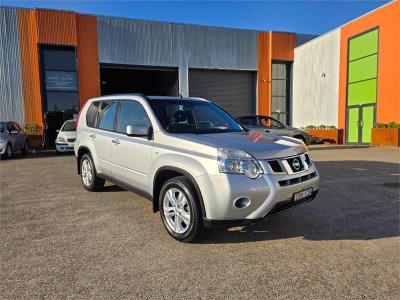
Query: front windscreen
[188, 116]
[69, 126]
[3, 127]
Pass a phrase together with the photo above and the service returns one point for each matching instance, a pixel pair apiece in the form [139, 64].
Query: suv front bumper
[269, 194]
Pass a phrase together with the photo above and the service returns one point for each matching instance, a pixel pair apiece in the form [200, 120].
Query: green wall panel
[352, 134]
[368, 123]
[362, 92]
[363, 45]
[365, 68]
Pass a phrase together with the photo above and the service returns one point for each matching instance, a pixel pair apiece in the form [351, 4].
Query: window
[62, 101]
[183, 116]
[69, 126]
[59, 79]
[131, 113]
[270, 122]
[248, 121]
[106, 115]
[91, 114]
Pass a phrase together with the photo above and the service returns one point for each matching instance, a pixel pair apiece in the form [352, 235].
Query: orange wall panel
[264, 73]
[283, 44]
[88, 58]
[56, 27]
[30, 66]
[388, 102]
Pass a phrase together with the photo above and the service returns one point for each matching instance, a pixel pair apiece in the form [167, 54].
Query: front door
[130, 156]
[360, 121]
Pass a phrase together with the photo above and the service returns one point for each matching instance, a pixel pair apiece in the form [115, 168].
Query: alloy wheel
[87, 172]
[176, 210]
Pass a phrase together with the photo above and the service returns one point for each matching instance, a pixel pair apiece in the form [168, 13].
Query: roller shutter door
[234, 91]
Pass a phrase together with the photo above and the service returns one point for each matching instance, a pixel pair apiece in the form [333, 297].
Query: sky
[313, 17]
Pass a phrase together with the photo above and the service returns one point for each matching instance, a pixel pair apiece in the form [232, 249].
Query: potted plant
[34, 135]
[386, 134]
[328, 133]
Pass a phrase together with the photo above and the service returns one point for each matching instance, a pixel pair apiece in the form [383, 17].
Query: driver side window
[131, 113]
[268, 122]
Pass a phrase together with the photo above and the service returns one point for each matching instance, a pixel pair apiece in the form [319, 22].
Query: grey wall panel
[11, 94]
[136, 42]
[316, 81]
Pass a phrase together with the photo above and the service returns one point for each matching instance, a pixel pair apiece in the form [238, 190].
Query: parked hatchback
[12, 139]
[66, 137]
[195, 162]
[270, 125]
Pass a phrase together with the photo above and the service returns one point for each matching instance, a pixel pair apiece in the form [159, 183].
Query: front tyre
[89, 178]
[25, 149]
[179, 209]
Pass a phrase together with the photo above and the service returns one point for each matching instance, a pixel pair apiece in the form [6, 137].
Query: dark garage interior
[148, 81]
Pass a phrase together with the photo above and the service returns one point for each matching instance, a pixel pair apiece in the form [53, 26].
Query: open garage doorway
[120, 79]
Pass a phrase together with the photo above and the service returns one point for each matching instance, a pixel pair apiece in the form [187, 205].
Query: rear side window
[131, 113]
[91, 114]
[106, 115]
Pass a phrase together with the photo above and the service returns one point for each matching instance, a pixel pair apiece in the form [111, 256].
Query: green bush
[389, 125]
[32, 129]
[319, 127]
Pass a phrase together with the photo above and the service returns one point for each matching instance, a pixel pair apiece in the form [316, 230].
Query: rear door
[103, 135]
[131, 156]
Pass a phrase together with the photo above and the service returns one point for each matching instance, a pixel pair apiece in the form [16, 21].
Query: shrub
[389, 125]
[32, 129]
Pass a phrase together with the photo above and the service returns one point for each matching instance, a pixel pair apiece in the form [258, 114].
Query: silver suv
[195, 162]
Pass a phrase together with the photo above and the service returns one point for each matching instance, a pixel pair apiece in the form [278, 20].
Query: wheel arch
[166, 172]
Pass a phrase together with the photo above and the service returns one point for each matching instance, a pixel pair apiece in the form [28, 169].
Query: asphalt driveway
[59, 241]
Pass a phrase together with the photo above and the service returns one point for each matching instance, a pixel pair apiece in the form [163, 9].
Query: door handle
[267, 130]
[116, 141]
[93, 136]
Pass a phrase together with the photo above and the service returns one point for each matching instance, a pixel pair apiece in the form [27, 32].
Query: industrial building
[349, 77]
[52, 62]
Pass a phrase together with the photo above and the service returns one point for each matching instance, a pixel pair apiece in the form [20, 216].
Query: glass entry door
[360, 121]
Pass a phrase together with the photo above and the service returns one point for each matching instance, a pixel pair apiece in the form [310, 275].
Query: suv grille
[297, 179]
[71, 140]
[276, 166]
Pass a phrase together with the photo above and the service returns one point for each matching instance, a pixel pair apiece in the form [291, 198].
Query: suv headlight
[61, 139]
[236, 161]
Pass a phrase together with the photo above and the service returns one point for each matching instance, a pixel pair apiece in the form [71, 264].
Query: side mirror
[13, 131]
[137, 130]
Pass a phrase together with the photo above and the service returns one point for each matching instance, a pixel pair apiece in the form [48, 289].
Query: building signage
[61, 81]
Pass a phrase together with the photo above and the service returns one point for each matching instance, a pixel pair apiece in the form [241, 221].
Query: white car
[66, 137]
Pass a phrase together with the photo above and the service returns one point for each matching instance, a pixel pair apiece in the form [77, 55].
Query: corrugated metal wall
[316, 81]
[30, 66]
[88, 59]
[56, 27]
[11, 96]
[135, 42]
[283, 44]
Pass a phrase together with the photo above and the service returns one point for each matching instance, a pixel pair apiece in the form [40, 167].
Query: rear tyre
[89, 178]
[180, 210]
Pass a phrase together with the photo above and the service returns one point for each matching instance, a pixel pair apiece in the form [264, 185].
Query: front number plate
[302, 195]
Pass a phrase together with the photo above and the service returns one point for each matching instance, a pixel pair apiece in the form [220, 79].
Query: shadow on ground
[358, 200]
